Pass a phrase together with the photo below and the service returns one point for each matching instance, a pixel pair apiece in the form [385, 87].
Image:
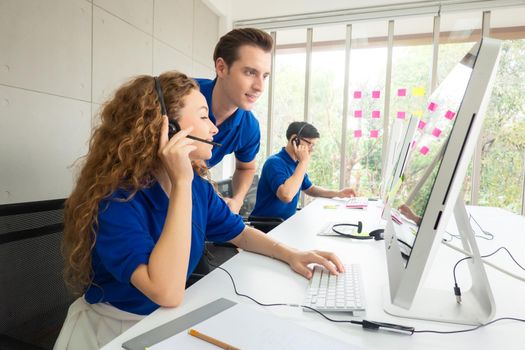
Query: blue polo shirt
[128, 231]
[239, 134]
[276, 170]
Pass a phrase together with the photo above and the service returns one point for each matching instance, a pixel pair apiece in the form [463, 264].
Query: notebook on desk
[240, 325]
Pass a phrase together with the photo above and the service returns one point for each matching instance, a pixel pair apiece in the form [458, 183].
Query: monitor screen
[410, 198]
[419, 208]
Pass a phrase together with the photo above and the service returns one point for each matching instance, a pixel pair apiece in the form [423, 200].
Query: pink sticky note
[376, 114]
[357, 94]
[358, 133]
[374, 134]
[376, 94]
[432, 106]
[421, 125]
[436, 132]
[401, 92]
[424, 150]
[450, 115]
[400, 115]
[358, 113]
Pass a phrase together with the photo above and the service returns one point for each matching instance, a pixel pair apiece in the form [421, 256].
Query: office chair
[263, 223]
[218, 253]
[33, 297]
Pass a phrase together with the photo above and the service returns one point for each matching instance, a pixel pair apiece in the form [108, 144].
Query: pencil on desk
[211, 340]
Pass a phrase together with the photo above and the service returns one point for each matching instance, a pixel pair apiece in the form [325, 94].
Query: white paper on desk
[245, 327]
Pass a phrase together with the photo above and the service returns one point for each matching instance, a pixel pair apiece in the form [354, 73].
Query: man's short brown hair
[228, 46]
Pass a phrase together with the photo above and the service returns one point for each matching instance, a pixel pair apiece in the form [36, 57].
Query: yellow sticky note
[330, 206]
[418, 113]
[418, 91]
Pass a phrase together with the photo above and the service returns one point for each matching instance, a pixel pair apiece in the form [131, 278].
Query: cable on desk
[473, 328]
[489, 236]
[364, 323]
[457, 290]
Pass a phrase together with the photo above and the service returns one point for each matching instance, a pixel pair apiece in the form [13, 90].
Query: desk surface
[271, 281]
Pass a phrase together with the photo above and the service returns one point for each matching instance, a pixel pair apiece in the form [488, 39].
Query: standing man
[284, 175]
[242, 64]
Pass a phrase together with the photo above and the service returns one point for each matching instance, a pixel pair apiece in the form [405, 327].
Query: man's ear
[221, 68]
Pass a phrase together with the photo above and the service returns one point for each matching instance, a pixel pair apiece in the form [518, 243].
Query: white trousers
[91, 326]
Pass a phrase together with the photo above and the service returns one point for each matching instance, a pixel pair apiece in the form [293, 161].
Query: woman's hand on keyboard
[300, 260]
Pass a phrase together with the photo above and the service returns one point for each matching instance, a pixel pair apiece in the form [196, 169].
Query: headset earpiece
[297, 138]
[173, 127]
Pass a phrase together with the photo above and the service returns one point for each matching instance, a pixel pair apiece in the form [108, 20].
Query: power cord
[457, 290]
[374, 325]
[365, 324]
[486, 234]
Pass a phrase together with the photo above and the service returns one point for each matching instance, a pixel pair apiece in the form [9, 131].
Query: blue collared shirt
[128, 231]
[276, 170]
[240, 133]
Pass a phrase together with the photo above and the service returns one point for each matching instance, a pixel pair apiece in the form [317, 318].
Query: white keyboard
[342, 293]
[357, 202]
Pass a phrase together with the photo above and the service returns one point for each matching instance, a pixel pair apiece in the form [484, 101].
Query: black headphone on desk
[375, 234]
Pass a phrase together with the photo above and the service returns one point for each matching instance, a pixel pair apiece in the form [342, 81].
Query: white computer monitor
[445, 144]
[399, 152]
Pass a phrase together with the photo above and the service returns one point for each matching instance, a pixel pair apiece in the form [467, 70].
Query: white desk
[271, 281]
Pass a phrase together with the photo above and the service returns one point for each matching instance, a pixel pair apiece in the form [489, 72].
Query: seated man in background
[284, 175]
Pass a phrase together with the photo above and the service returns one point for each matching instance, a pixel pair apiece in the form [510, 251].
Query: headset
[297, 137]
[376, 234]
[173, 125]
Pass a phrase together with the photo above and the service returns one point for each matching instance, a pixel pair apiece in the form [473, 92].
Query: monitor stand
[477, 306]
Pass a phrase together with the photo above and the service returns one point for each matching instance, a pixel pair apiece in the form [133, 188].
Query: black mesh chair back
[33, 297]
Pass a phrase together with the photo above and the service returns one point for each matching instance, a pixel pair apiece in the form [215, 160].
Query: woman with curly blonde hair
[137, 220]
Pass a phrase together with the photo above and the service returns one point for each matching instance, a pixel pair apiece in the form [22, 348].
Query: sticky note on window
[432, 106]
[418, 113]
[436, 132]
[376, 94]
[424, 150]
[358, 113]
[357, 94]
[418, 91]
[376, 114]
[358, 133]
[401, 115]
[450, 115]
[421, 125]
[401, 92]
[374, 134]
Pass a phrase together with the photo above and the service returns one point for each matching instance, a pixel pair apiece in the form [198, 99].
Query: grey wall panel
[136, 12]
[40, 137]
[203, 71]
[61, 59]
[167, 58]
[120, 51]
[174, 24]
[46, 46]
[205, 34]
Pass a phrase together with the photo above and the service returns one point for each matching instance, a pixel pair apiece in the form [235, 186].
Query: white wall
[60, 59]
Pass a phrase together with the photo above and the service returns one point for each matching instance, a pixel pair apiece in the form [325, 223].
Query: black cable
[366, 323]
[473, 328]
[485, 256]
